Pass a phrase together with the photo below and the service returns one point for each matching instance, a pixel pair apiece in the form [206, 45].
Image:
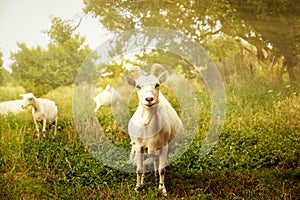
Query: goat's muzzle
[150, 102]
[149, 99]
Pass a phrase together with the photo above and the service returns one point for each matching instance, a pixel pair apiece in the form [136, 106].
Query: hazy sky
[23, 21]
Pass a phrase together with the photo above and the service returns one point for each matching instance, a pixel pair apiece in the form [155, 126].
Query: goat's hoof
[138, 188]
[163, 191]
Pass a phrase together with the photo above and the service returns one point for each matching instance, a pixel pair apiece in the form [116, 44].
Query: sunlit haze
[23, 22]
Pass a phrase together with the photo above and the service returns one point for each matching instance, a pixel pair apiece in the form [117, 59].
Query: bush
[11, 92]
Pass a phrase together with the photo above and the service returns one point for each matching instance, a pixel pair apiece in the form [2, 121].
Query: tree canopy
[41, 70]
[262, 23]
[277, 22]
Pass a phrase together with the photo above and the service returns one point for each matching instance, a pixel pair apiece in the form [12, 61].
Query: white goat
[43, 110]
[155, 128]
[106, 98]
[14, 107]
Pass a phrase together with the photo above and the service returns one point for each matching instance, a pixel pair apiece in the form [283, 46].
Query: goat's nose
[149, 99]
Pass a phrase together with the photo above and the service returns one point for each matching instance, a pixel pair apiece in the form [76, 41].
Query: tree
[1, 60]
[277, 22]
[194, 18]
[259, 22]
[41, 70]
[5, 76]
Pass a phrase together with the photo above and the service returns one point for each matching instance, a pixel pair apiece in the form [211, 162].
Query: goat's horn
[139, 71]
[156, 66]
[136, 71]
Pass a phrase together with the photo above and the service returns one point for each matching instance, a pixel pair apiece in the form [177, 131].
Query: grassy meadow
[256, 157]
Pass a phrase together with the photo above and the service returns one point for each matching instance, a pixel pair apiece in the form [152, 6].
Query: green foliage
[216, 47]
[259, 22]
[11, 92]
[5, 77]
[1, 60]
[41, 70]
[188, 17]
[277, 21]
[268, 8]
[60, 31]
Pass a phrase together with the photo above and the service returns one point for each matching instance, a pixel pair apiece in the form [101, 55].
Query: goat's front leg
[162, 170]
[97, 107]
[37, 127]
[139, 169]
[44, 126]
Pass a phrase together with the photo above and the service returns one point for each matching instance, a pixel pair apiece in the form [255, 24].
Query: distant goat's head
[27, 100]
[148, 86]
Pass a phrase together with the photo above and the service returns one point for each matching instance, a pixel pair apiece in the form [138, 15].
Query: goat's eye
[138, 87]
[156, 85]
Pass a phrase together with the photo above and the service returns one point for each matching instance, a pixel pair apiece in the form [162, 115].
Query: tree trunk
[280, 29]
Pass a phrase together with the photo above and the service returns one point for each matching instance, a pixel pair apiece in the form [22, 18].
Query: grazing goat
[14, 107]
[43, 110]
[106, 98]
[155, 128]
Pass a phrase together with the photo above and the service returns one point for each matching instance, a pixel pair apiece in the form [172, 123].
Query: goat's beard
[147, 113]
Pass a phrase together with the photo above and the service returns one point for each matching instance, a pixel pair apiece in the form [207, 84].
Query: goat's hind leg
[155, 167]
[162, 170]
[55, 126]
[37, 127]
[139, 170]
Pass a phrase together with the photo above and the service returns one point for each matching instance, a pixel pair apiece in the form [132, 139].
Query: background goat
[14, 107]
[107, 97]
[155, 128]
[43, 110]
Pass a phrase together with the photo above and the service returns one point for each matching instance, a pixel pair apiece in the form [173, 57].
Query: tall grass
[257, 155]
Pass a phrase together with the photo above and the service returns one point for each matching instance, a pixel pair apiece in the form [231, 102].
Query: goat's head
[148, 86]
[27, 100]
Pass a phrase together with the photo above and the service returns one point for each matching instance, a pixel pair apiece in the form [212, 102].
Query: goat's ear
[107, 87]
[21, 95]
[130, 80]
[163, 76]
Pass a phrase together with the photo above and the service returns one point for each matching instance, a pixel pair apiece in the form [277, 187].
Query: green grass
[256, 157]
